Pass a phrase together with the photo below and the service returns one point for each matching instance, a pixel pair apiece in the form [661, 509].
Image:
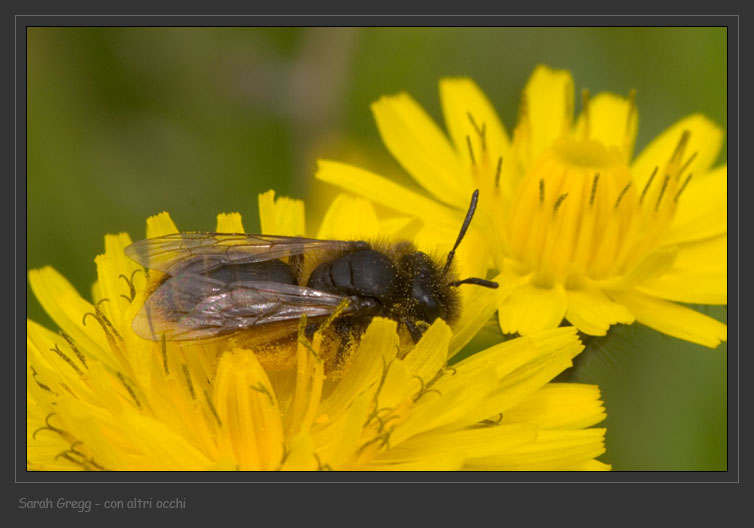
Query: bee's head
[426, 290]
[430, 291]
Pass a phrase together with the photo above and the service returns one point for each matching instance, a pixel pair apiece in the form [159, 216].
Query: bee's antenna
[464, 227]
[473, 280]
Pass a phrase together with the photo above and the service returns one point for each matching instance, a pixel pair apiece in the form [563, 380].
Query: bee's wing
[171, 253]
[195, 307]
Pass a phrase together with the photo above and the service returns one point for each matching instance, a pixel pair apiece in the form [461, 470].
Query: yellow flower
[101, 398]
[577, 227]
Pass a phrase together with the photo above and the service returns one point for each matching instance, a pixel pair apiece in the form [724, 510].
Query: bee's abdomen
[267, 271]
[362, 273]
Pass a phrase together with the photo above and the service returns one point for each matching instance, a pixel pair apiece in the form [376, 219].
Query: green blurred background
[126, 122]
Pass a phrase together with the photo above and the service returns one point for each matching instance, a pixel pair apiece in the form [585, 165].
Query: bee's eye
[423, 286]
[429, 307]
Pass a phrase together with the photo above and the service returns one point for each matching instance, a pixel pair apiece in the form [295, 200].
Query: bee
[256, 288]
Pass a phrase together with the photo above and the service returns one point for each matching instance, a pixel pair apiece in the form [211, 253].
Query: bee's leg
[310, 329]
[414, 330]
[347, 332]
[342, 352]
[342, 334]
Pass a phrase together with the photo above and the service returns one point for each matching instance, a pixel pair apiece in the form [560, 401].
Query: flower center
[577, 213]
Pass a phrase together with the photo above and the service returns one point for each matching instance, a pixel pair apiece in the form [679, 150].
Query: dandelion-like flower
[577, 228]
[102, 398]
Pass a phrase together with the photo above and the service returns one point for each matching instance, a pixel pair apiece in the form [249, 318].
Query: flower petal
[422, 149]
[547, 107]
[446, 404]
[504, 358]
[702, 208]
[545, 355]
[229, 223]
[385, 192]
[461, 444]
[398, 386]
[44, 446]
[472, 258]
[283, 216]
[491, 381]
[66, 307]
[613, 121]
[446, 462]
[462, 101]
[401, 227]
[530, 309]
[699, 274]
[159, 225]
[54, 365]
[430, 353]
[377, 348]
[349, 218]
[593, 465]
[339, 440]
[163, 448]
[706, 140]
[673, 319]
[247, 407]
[301, 456]
[478, 307]
[593, 312]
[560, 406]
[653, 265]
[118, 281]
[559, 450]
